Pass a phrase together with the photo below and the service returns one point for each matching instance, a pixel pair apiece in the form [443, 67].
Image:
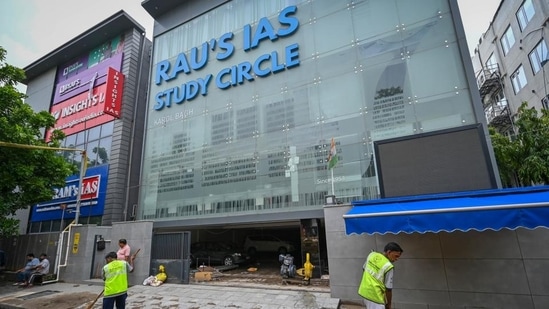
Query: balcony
[497, 115]
[488, 80]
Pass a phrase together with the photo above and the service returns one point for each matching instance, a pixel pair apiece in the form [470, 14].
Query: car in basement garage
[267, 243]
[217, 253]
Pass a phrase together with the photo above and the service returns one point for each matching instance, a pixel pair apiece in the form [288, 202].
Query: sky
[30, 29]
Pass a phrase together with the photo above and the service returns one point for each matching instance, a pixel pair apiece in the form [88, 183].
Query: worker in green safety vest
[377, 279]
[115, 275]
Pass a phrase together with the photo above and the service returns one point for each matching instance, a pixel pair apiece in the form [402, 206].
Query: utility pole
[83, 165]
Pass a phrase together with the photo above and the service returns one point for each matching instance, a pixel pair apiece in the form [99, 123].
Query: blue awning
[462, 211]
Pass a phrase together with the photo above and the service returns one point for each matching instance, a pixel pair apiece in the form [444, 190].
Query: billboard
[115, 87]
[89, 109]
[96, 56]
[86, 79]
[92, 197]
[443, 161]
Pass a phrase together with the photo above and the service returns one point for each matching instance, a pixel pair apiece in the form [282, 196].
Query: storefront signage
[72, 68]
[85, 79]
[81, 112]
[223, 48]
[115, 87]
[347, 178]
[92, 201]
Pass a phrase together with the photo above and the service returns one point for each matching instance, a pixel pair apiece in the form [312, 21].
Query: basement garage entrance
[242, 248]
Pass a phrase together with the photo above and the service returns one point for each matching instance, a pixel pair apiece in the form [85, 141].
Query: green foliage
[28, 176]
[524, 160]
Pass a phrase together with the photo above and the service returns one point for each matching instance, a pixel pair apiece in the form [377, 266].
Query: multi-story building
[247, 100]
[95, 86]
[511, 61]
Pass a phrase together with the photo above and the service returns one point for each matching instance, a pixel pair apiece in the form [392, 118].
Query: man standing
[24, 273]
[115, 275]
[377, 279]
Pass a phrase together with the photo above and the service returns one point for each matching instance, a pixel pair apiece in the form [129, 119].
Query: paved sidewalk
[172, 296]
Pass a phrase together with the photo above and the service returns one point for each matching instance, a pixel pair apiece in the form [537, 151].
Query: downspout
[58, 264]
[136, 102]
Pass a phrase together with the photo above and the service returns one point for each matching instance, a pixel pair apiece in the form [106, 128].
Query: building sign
[81, 112]
[72, 68]
[92, 201]
[86, 79]
[89, 109]
[103, 52]
[222, 49]
[115, 87]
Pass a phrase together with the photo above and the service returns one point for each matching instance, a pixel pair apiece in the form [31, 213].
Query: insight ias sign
[115, 86]
[89, 109]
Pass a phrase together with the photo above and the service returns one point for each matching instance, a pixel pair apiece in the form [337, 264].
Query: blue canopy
[462, 211]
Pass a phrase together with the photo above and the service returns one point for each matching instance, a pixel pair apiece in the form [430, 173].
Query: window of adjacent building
[508, 40]
[525, 14]
[518, 79]
[500, 99]
[492, 64]
[538, 55]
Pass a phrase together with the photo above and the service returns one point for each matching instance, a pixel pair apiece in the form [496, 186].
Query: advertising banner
[115, 88]
[63, 202]
[86, 79]
[81, 112]
[97, 55]
[72, 68]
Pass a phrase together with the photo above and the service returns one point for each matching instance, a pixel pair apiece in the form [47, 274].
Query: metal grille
[167, 246]
[173, 251]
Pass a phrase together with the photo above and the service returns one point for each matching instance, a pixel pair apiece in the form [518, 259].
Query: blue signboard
[63, 203]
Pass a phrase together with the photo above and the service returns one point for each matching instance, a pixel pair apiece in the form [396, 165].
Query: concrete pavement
[172, 296]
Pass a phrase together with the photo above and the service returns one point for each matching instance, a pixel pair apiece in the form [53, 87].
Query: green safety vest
[372, 286]
[116, 278]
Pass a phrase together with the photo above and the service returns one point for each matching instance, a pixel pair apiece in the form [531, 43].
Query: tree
[27, 176]
[505, 158]
[524, 159]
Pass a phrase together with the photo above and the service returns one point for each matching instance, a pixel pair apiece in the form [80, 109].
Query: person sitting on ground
[24, 273]
[42, 269]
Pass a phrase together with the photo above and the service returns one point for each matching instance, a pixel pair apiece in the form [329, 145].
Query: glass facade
[97, 141]
[243, 104]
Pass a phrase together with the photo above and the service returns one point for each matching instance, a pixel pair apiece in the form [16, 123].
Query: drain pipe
[59, 253]
[135, 109]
